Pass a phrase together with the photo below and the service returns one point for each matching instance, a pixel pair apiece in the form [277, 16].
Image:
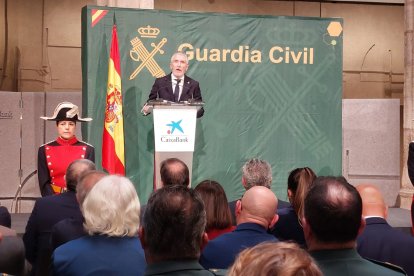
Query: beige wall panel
[33, 79]
[63, 21]
[366, 25]
[26, 24]
[65, 66]
[228, 6]
[307, 9]
[355, 88]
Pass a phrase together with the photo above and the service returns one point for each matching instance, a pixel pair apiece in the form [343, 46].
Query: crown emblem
[148, 31]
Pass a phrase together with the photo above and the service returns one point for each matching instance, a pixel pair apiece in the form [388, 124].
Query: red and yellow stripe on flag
[113, 159]
[97, 15]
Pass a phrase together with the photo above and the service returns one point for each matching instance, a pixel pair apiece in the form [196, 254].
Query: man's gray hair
[257, 172]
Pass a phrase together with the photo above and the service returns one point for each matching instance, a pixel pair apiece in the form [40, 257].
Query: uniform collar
[64, 142]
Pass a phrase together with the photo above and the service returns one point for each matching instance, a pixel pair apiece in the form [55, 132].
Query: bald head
[173, 171]
[258, 205]
[372, 201]
[86, 182]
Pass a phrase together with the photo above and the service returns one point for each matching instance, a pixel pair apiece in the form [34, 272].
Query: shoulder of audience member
[218, 272]
[390, 266]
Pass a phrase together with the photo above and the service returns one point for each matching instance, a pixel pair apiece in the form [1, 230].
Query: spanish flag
[113, 158]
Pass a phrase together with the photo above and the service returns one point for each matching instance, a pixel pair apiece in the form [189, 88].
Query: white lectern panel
[174, 129]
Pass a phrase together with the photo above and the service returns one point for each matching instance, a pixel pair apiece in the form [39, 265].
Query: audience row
[98, 226]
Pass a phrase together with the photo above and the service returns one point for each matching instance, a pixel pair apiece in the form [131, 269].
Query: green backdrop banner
[272, 88]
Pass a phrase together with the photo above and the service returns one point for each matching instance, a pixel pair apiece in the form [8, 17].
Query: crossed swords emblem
[140, 53]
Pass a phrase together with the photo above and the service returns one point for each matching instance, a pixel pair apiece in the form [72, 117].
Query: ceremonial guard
[55, 156]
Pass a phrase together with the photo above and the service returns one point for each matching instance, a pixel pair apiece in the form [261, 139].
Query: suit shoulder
[164, 78]
[189, 80]
[398, 270]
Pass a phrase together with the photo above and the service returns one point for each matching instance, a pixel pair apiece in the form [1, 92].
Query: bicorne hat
[66, 111]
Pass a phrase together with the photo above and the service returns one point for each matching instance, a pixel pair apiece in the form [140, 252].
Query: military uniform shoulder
[50, 143]
[83, 142]
[218, 272]
[393, 267]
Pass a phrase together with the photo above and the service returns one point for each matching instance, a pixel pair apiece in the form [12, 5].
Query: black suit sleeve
[410, 162]
[90, 153]
[43, 173]
[154, 91]
[197, 97]
[30, 237]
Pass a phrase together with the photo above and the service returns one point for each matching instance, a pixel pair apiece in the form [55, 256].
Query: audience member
[172, 232]
[274, 259]
[111, 212]
[72, 228]
[379, 241]
[255, 172]
[49, 210]
[5, 218]
[332, 221]
[173, 171]
[289, 226]
[217, 208]
[255, 214]
[12, 258]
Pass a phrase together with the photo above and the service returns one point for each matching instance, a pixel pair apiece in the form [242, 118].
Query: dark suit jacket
[5, 218]
[410, 167]
[47, 211]
[232, 205]
[162, 88]
[288, 227]
[66, 230]
[222, 251]
[381, 242]
[410, 162]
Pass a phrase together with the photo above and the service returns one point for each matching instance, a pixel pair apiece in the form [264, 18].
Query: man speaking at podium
[176, 86]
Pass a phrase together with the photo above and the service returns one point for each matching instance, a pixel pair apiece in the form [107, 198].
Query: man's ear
[141, 235]
[306, 229]
[238, 208]
[204, 240]
[243, 181]
[362, 226]
[273, 221]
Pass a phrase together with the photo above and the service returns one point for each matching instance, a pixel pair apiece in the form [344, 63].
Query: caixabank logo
[145, 56]
[174, 133]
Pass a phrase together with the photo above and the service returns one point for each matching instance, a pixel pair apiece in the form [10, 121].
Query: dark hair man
[332, 221]
[172, 232]
[173, 171]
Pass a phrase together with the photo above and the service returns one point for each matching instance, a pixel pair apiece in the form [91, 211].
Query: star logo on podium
[175, 125]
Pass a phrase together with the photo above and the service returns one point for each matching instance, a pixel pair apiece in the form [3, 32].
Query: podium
[174, 133]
